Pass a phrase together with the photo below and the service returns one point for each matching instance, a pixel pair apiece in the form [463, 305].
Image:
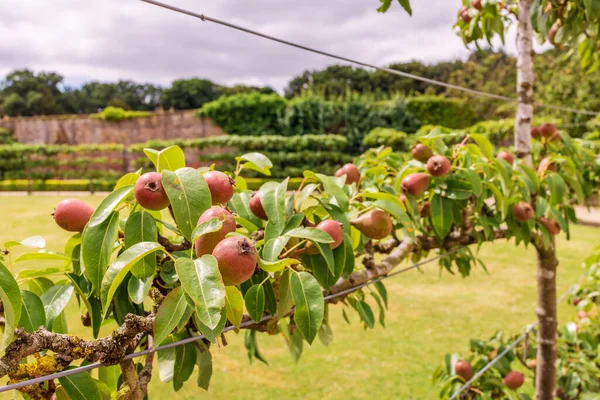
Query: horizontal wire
[512, 345]
[361, 63]
[89, 367]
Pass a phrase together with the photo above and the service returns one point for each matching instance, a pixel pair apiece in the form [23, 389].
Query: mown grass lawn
[430, 314]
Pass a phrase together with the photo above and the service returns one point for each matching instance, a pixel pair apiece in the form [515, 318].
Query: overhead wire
[447, 85]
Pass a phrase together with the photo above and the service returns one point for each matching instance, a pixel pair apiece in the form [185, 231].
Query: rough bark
[547, 323]
[525, 79]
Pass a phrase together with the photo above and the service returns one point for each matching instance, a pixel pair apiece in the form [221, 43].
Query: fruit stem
[299, 191]
[293, 248]
[366, 210]
[238, 168]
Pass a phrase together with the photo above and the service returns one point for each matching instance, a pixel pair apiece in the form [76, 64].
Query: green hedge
[291, 156]
[253, 143]
[245, 113]
[85, 185]
[353, 117]
[397, 140]
[436, 110]
[117, 114]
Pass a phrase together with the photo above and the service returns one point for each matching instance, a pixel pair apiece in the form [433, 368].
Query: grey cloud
[128, 39]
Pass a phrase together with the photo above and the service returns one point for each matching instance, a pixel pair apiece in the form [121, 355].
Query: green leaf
[152, 155]
[366, 313]
[34, 242]
[475, 182]
[138, 288]
[272, 196]
[185, 361]
[166, 360]
[532, 175]
[305, 193]
[80, 386]
[274, 266]
[211, 334]
[33, 273]
[169, 314]
[294, 340]
[40, 285]
[189, 195]
[313, 234]
[350, 261]
[55, 300]
[484, 144]
[204, 362]
[108, 205]
[273, 248]
[119, 269]
[256, 161]
[557, 187]
[285, 301]
[201, 280]
[331, 188]
[398, 212]
[212, 225]
[234, 305]
[255, 302]
[141, 227]
[32, 315]
[43, 255]
[239, 203]
[172, 158]
[309, 301]
[110, 376]
[406, 5]
[97, 245]
[441, 215]
[127, 179]
[92, 304]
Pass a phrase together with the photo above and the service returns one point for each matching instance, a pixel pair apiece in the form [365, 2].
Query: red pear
[375, 224]
[551, 225]
[463, 369]
[514, 380]
[256, 207]
[236, 257]
[438, 166]
[522, 211]
[334, 229]
[547, 130]
[546, 165]
[351, 171]
[149, 192]
[220, 186]
[416, 183]
[506, 156]
[422, 153]
[72, 215]
[207, 243]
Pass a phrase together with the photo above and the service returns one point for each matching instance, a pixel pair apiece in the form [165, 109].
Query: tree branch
[109, 350]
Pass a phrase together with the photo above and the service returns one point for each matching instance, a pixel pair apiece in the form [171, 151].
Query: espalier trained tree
[216, 249]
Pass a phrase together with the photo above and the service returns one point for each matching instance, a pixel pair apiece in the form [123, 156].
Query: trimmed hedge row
[252, 143]
[255, 114]
[85, 185]
[291, 156]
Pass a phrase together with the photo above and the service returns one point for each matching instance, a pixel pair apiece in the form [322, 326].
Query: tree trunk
[546, 311]
[525, 79]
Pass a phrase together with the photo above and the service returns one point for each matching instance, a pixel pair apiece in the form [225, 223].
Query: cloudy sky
[128, 39]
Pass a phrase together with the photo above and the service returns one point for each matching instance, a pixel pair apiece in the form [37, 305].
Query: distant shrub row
[256, 114]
